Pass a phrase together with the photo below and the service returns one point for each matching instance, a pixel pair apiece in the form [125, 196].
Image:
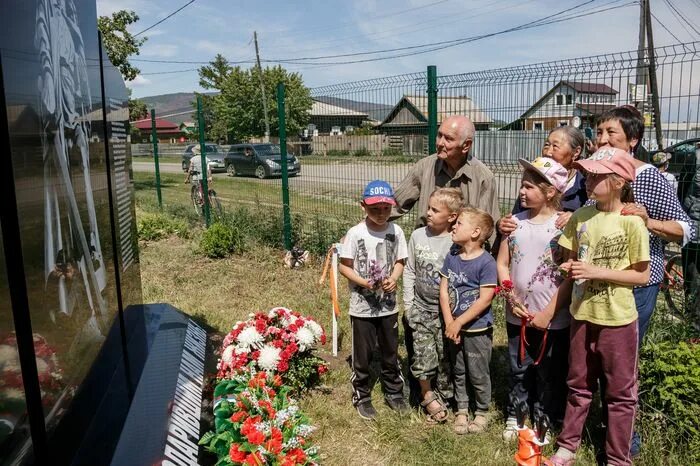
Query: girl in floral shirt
[537, 321]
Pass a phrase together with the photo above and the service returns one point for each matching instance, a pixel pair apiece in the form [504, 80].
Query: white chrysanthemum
[249, 338]
[227, 356]
[8, 356]
[305, 339]
[274, 310]
[41, 366]
[316, 329]
[269, 358]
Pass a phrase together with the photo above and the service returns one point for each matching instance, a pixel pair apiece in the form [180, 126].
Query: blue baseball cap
[378, 191]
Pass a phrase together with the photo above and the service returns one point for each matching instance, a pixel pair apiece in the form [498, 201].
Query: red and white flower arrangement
[258, 423]
[264, 361]
[269, 342]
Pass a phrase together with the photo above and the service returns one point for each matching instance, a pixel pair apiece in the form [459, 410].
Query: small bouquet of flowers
[280, 341]
[258, 423]
[376, 274]
[506, 291]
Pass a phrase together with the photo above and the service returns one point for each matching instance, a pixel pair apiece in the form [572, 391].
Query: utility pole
[653, 83]
[262, 88]
[641, 81]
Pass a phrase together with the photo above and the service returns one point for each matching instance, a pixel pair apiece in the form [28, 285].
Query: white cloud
[139, 81]
[107, 7]
[160, 50]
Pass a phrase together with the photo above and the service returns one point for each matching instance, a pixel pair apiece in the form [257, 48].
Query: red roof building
[166, 131]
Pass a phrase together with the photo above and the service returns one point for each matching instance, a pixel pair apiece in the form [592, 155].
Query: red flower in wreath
[255, 437]
[274, 444]
[238, 416]
[249, 425]
[295, 456]
[236, 455]
[254, 459]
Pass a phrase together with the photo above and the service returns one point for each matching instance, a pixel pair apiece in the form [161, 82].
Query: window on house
[569, 99]
[563, 123]
[560, 99]
[538, 125]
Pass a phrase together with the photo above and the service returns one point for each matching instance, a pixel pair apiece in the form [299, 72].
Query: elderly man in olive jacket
[452, 166]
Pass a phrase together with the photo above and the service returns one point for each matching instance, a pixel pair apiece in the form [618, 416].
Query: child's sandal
[437, 415]
[461, 425]
[478, 425]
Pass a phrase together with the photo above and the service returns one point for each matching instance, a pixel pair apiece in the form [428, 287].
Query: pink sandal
[555, 460]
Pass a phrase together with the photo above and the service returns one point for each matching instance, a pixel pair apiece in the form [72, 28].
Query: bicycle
[197, 197]
[673, 284]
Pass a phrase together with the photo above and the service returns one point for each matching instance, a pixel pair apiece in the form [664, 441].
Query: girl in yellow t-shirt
[608, 256]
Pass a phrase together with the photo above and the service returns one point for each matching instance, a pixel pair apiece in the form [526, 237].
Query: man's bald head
[462, 125]
[454, 140]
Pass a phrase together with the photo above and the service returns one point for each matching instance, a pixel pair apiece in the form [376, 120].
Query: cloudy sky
[295, 29]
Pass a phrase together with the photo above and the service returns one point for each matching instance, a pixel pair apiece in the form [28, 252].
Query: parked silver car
[215, 157]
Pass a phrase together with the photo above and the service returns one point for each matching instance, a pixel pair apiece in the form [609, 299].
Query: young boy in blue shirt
[468, 285]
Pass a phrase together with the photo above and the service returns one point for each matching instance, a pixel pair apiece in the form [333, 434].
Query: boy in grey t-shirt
[372, 259]
[427, 250]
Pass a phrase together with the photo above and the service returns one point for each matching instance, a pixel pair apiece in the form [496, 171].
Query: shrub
[338, 153]
[361, 152]
[153, 227]
[669, 375]
[317, 236]
[220, 240]
[392, 152]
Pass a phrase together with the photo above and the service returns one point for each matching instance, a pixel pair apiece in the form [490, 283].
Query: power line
[688, 22]
[546, 20]
[447, 44]
[388, 33]
[167, 17]
[170, 72]
[681, 20]
[667, 29]
[186, 62]
[433, 44]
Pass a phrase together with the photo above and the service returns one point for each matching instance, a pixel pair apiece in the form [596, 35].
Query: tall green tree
[119, 43]
[137, 108]
[237, 111]
[214, 75]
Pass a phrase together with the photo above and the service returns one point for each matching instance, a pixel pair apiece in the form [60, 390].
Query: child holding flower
[372, 259]
[537, 318]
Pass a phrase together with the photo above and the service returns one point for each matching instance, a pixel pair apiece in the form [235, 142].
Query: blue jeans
[645, 300]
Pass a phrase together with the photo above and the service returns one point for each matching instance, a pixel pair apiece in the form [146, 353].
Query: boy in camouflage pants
[427, 250]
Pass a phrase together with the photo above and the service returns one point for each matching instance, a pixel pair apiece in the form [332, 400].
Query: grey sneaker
[398, 404]
[366, 410]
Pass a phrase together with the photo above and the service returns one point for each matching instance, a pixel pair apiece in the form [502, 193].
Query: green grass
[161, 158]
[221, 292]
[326, 209]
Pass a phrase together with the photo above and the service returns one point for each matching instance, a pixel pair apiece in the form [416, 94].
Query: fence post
[154, 137]
[285, 175]
[432, 109]
[203, 154]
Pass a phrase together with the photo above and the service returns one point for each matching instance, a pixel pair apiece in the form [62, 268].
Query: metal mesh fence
[377, 128]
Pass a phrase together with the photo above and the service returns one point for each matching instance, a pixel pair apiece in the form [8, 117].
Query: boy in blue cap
[372, 259]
